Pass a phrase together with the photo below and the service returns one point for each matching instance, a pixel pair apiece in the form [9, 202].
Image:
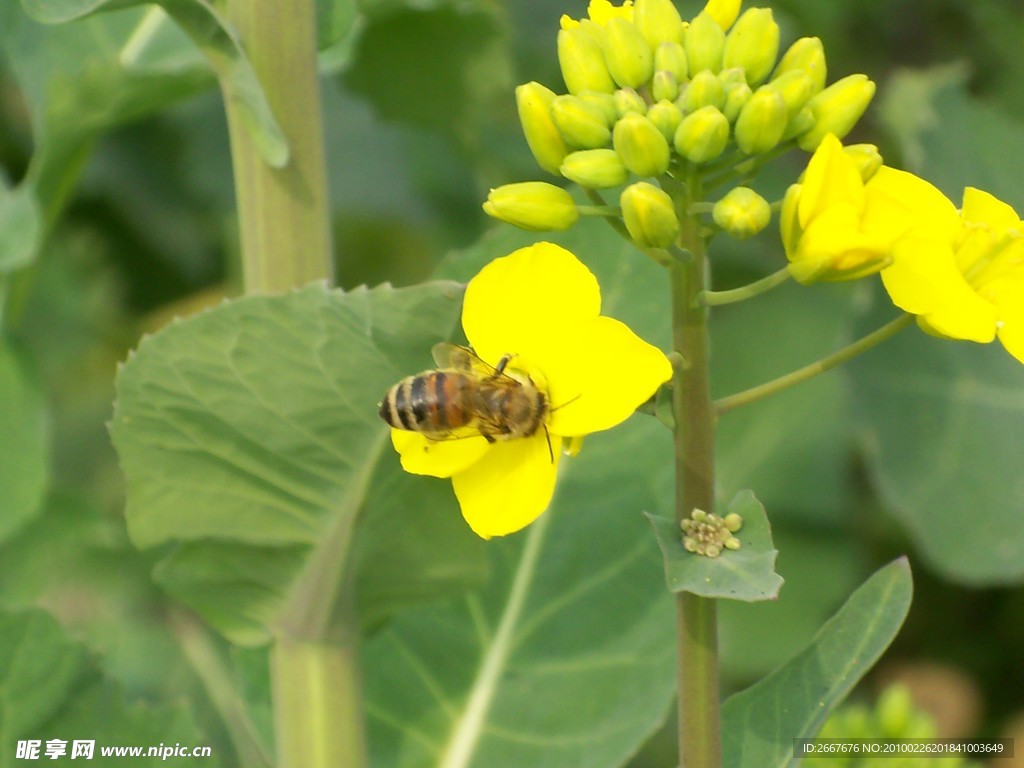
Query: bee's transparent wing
[452, 356]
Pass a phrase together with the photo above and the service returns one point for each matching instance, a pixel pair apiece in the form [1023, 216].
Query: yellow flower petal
[788, 223]
[983, 208]
[831, 179]
[531, 293]
[834, 248]
[509, 487]
[925, 281]
[437, 458]
[897, 203]
[597, 374]
[1011, 333]
[602, 11]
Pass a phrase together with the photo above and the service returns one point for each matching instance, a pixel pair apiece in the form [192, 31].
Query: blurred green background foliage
[136, 225]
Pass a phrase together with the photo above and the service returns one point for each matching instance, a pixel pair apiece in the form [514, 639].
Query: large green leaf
[760, 723]
[249, 435]
[24, 456]
[567, 657]
[50, 688]
[942, 424]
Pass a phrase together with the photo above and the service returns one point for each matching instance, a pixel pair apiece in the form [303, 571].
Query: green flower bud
[705, 90]
[533, 101]
[894, 710]
[603, 101]
[628, 56]
[649, 215]
[742, 213]
[581, 124]
[867, 158]
[582, 62]
[666, 117]
[671, 57]
[664, 86]
[705, 42]
[640, 145]
[795, 88]
[798, 124]
[533, 205]
[752, 44]
[595, 168]
[627, 100]
[658, 21]
[733, 522]
[807, 55]
[837, 109]
[732, 76]
[702, 135]
[761, 123]
[736, 97]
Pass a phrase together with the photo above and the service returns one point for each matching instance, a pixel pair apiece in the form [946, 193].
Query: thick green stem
[697, 634]
[283, 212]
[725, 404]
[284, 218]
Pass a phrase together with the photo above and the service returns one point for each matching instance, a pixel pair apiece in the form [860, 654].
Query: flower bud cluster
[651, 96]
[708, 534]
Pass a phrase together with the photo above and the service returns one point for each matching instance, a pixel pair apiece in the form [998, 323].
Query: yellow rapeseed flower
[542, 306]
[970, 286]
[837, 227]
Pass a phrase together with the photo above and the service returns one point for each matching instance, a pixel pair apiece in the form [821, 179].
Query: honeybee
[465, 397]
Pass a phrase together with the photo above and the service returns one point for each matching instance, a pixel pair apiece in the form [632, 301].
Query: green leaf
[760, 723]
[50, 688]
[218, 42]
[942, 425]
[249, 436]
[747, 573]
[566, 658]
[20, 227]
[24, 455]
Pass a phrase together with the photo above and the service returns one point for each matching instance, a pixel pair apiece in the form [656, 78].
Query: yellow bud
[733, 522]
[705, 42]
[742, 213]
[753, 44]
[736, 97]
[640, 145]
[795, 87]
[628, 56]
[658, 21]
[595, 168]
[581, 124]
[702, 135]
[703, 91]
[533, 205]
[723, 11]
[671, 57]
[603, 101]
[761, 123]
[627, 100]
[867, 158]
[837, 109]
[733, 543]
[666, 117]
[808, 55]
[649, 215]
[732, 76]
[664, 86]
[533, 101]
[582, 62]
[798, 124]
[894, 711]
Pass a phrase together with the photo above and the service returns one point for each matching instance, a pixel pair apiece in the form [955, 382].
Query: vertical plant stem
[283, 213]
[696, 622]
[285, 237]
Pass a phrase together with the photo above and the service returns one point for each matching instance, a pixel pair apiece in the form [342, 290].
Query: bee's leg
[500, 367]
[547, 436]
[487, 437]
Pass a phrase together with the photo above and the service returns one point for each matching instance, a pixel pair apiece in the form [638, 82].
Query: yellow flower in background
[837, 227]
[970, 286]
[538, 308]
[601, 12]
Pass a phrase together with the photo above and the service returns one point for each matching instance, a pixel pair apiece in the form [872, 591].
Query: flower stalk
[696, 617]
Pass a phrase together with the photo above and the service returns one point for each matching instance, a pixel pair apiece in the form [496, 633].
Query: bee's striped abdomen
[429, 403]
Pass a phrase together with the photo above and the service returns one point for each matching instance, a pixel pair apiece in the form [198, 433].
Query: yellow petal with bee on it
[597, 374]
[437, 458]
[531, 293]
[509, 487]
